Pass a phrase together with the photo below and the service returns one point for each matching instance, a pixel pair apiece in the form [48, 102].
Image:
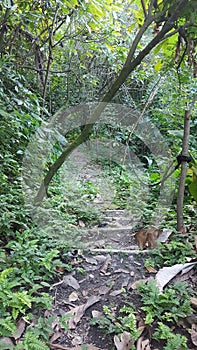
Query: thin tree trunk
[185, 148]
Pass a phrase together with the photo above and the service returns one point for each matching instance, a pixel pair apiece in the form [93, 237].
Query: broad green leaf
[158, 66]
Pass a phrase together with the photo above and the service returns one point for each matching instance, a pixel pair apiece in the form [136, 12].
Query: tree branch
[144, 8]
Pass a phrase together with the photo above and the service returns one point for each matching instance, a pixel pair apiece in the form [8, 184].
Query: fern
[31, 342]
[178, 342]
[7, 327]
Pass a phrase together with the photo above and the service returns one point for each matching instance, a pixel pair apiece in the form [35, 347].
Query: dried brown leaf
[20, 325]
[73, 297]
[151, 269]
[193, 301]
[104, 290]
[125, 342]
[105, 265]
[134, 284]
[77, 312]
[55, 336]
[69, 280]
[194, 334]
[164, 235]
[165, 275]
[116, 292]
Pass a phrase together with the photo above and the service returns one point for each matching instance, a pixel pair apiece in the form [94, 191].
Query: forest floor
[104, 277]
[103, 280]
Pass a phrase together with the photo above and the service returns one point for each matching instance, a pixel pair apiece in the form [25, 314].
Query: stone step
[117, 213]
[111, 230]
[119, 220]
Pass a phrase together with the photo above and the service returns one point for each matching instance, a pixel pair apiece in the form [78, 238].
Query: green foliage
[32, 256]
[31, 341]
[16, 302]
[124, 321]
[168, 306]
[174, 252]
[173, 341]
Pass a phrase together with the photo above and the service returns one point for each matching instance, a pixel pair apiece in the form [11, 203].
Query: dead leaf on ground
[165, 275]
[134, 284]
[151, 269]
[164, 235]
[97, 314]
[81, 223]
[20, 328]
[193, 301]
[69, 280]
[116, 292]
[59, 268]
[143, 344]
[194, 334]
[77, 312]
[105, 265]
[125, 342]
[55, 336]
[73, 297]
[104, 290]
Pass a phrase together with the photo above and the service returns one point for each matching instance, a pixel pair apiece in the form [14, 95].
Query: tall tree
[168, 18]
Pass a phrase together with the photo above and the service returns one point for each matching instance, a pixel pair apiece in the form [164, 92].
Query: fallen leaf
[104, 290]
[73, 297]
[165, 275]
[194, 334]
[193, 301]
[146, 345]
[105, 265]
[164, 235]
[69, 280]
[77, 312]
[59, 268]
[85, 293]
[151, 269]
[55, 336]
[81, 223]
[20, 328]
[97, 314]
[125, 342]
[116, 292]
[143, 344]
[135, 284]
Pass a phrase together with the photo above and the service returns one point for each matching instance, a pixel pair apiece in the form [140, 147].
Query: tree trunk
[185, 147]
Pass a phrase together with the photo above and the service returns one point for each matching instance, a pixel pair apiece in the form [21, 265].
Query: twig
[144, 9]
[44, 70]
